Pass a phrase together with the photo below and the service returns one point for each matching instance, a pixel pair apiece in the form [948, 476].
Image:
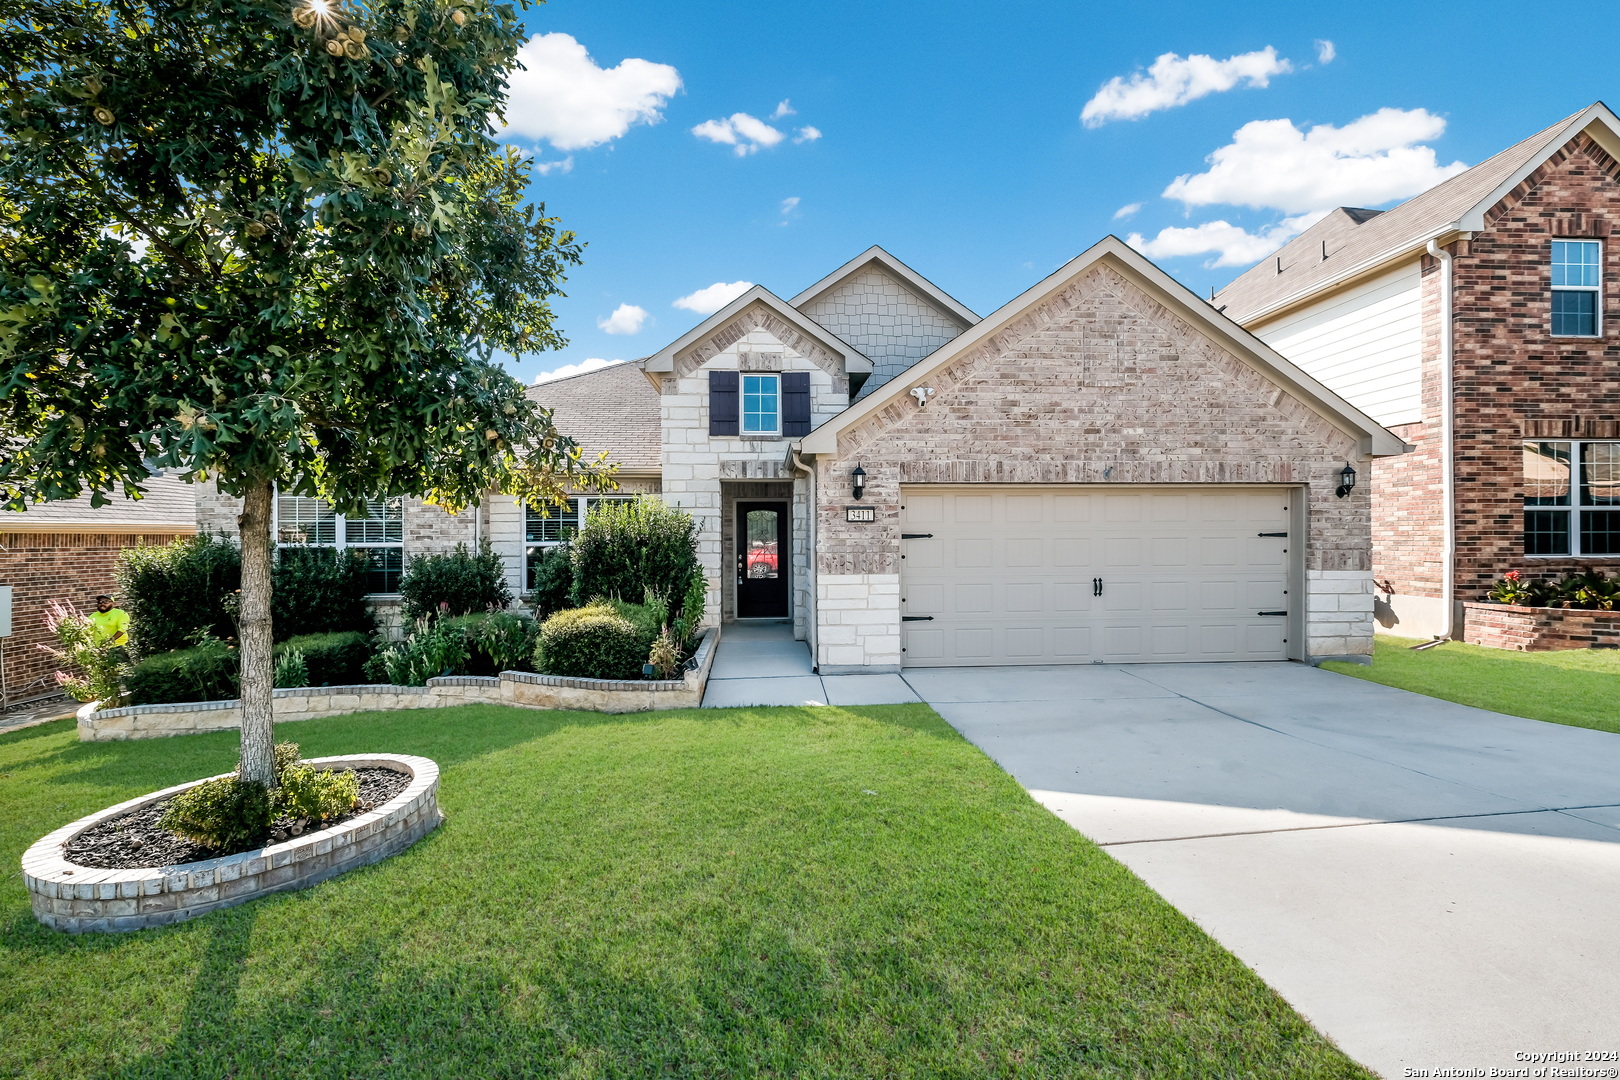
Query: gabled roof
[875, 255]
[610, 409]
[1357, 242]
[664, 359]
[168, 506]
[1114, 251]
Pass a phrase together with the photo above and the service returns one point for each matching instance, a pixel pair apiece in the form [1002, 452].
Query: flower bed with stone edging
[1539, 629]
[509, 688]
[79, 899]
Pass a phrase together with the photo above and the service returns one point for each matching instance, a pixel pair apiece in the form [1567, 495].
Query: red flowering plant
[1513, 589]
[1590, 589]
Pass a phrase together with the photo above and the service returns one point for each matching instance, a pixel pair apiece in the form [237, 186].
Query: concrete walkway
[1433, 886]
[759, 663]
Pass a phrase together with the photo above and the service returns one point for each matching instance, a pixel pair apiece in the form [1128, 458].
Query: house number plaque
[860, 513]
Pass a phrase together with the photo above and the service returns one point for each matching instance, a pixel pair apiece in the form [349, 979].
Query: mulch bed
[135, 840]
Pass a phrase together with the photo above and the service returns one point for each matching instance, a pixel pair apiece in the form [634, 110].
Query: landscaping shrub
[496, 641]
[553, 580]
[454, 583]
[315, 794]
[687, 623]
[431, 650]
[206, 671]
[337, 659]
[1590, 589]
[227, 814]
[173, 590]
[594, 642]
[291, 671]
[628, 547]
[95, 669]
[319, 591]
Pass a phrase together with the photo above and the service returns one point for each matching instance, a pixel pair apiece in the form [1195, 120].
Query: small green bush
[454, 583]
[95, 669]
[431, 650]
[173, 590]
[496, 641]
[601, 641]
[552, 587]
[335, 659]
[319, 591]
[626, 548]
[688, 622]
[291, 671]
[203, 672]
[228, 814]
[316, 794]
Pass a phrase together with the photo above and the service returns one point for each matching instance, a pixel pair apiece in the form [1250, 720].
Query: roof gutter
[1448, 504]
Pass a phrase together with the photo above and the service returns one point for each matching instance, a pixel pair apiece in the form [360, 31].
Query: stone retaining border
[81, 899]
[1539, 629]
[509, 688]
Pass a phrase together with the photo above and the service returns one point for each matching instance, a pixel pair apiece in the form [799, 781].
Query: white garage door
[1007, 575]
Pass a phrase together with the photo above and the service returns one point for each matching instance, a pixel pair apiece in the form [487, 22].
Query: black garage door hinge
[916, 618]
[1271, 613]
[916, 536]
[1271, 534]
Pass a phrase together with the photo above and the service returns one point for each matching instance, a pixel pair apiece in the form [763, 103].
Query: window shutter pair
[725, 403]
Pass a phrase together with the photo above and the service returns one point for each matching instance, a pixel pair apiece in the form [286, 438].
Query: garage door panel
[1010, 575]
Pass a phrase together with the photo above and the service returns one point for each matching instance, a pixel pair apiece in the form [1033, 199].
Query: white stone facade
[888, 322]
[858, 623]
[1338, 613]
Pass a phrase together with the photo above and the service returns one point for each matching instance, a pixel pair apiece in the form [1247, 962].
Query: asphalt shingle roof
[1352, 236]
[169, 505]
[612, 408]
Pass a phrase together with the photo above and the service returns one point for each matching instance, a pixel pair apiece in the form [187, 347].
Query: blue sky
[952, 135]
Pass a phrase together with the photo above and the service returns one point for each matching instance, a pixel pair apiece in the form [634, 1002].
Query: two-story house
[1103, 469]
[1473, 321]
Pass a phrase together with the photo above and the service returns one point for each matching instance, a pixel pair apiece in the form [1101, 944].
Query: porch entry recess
[1009, 575]
[763, 564]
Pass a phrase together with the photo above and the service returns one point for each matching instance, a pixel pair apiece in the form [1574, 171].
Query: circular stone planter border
[81, 898]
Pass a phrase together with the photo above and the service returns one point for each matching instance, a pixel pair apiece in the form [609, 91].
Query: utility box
[5, 610]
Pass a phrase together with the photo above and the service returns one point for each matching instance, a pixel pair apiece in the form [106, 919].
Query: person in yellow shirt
[111, 623]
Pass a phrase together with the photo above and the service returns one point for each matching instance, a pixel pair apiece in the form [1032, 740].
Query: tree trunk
[258, 663]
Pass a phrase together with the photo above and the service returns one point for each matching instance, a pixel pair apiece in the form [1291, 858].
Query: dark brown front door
[762, 560]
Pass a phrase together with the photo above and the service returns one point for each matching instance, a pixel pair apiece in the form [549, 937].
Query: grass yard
[1579, 687]
[738, 893]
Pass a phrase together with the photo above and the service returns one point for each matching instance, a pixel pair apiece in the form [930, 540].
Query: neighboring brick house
[1509, 271]
[67, 551]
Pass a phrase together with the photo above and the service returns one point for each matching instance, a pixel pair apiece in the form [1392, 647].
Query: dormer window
[761, 405]
[1577, 282]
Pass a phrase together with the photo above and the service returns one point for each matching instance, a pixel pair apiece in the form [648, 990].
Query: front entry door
[762, 560]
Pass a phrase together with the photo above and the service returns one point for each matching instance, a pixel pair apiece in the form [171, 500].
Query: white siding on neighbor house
[506, 537]
[1364, 343]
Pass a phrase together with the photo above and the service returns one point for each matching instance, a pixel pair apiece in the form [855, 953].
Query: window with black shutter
[723, 406]
[795, 404]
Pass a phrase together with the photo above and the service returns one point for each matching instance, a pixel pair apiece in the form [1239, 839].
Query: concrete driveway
[1433, 886]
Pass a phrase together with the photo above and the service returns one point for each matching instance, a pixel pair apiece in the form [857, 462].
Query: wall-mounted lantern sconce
[858, 479]
[1347, 480]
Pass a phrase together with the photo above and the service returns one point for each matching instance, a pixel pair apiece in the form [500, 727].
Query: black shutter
[723, 403]
[795, 404]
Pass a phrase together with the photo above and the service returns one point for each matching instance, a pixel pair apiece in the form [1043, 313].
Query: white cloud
[784, 108]
[563, 165]
[807, 134]
[1271, 164]
[747, 134]
[1175, 80]
[1232, 245]
[1128, 210]
[789, 204]
[626, 319]
[1325, 52]
[593, 364]
[564, 98]
[710, 300]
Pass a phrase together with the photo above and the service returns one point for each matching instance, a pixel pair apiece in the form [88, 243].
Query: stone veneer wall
[310, 702]
[1103, 384]
[1538, 629]
[893, 326]
[82, 899]
[858, 623]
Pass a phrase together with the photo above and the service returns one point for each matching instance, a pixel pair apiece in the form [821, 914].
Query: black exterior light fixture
[1347, 480]
[858, 480]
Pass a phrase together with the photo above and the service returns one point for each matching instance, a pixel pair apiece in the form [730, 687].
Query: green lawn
[1579, 687]
[752, 892]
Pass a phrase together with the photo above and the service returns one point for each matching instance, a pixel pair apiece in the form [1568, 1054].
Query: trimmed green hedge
[627, 548]
[209, 672]
[337, 659]
[601, 641]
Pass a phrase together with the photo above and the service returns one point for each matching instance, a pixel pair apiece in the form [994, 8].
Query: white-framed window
[301, 521]
[1572, 498]
[1577, 288]
[761, 405]
[556, 525]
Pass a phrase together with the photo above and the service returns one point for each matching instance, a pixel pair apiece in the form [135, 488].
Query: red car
[762, 560]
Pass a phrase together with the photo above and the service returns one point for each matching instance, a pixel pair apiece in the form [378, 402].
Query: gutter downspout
[811, 626]
[1448, 571]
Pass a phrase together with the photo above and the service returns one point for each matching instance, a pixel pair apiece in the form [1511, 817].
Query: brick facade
[1537, 629]
[46, 566]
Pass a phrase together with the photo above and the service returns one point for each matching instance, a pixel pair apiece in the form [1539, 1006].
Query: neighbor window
[379, 534]
[1577, 281]
[1572, 498]
[761, 412]
[556, 525]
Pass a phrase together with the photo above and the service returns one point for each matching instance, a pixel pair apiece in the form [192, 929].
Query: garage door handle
[916, 618]
[916, 536]
[1271, 613]
[1271, 534]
